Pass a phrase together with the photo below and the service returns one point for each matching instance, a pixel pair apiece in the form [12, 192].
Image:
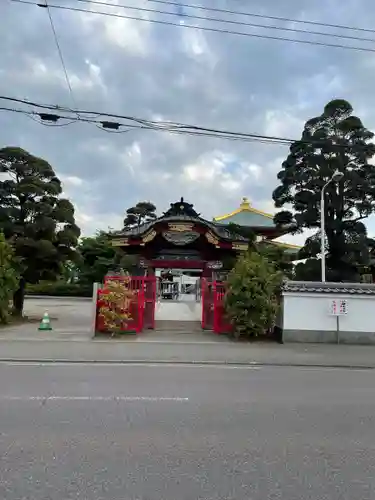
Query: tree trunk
[19, 298]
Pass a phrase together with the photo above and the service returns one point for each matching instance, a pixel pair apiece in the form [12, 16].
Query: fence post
[203, 303]
[215, 318]
[95, 288]
[141, 304]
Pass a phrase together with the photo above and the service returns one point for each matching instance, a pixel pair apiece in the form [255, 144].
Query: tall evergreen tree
[34, 218]
[335, 140]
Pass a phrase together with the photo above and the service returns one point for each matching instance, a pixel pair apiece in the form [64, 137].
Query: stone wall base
[329, 337]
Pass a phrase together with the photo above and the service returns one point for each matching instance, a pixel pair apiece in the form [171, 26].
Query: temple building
[182, 239]
[182, 259]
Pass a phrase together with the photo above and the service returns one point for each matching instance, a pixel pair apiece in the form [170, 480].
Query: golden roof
[245, 206]
[251, 217]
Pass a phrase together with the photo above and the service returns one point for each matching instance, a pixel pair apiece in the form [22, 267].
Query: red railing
[149, 300]
[221, 323]
[207, 297]
[142, 304]
[213, 312]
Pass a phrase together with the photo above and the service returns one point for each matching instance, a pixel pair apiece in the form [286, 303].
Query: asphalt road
[185, 432]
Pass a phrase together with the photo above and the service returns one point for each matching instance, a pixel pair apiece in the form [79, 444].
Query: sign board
[338, 307]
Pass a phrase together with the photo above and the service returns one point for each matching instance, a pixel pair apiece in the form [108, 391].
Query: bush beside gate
[132, 312]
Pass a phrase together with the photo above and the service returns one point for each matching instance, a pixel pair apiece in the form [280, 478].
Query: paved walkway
[70, 317]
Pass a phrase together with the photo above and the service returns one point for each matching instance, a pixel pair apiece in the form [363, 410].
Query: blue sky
[172, 73]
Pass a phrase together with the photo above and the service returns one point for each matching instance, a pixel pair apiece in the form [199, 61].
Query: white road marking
[93, 398]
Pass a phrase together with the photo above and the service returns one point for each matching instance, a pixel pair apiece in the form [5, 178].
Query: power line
[263, 16]
[32, 115]
[159, 125]
[142, 123]
[110, 127]
[204, 28]
[46, 6]
[227, 21]
[162, 126]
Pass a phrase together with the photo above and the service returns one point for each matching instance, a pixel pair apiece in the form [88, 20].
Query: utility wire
[37, 117]
[263, 16]
[163, 126]
[142, 123]
[228, 21]
[204, 28]
[33, 116]
[46, 6]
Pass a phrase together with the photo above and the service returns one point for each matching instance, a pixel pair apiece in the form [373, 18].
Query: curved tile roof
[327, 288]
[220, 230]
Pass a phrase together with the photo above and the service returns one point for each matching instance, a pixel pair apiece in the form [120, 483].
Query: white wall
[310, 312]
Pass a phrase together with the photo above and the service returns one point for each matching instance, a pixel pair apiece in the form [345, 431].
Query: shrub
[59, 289]
[114, 305]
[251, 301]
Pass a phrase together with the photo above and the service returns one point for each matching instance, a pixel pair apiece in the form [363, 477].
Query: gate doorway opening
[178, 301]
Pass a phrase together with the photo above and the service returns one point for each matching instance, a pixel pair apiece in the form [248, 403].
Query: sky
[160, 72]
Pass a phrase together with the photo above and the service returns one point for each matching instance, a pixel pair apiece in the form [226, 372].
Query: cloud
[153, 71]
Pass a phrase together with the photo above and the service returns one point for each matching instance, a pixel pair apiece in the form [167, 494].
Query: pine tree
[35, 218]
[335, 140]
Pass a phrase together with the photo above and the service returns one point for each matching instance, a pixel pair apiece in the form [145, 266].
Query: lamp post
[336, 177]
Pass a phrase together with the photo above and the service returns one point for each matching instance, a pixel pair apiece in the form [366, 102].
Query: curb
[180, 362]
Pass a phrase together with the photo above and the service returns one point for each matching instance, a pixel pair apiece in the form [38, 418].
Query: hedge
[60, 289]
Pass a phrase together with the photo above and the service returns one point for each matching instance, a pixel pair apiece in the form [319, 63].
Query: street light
[336, 177]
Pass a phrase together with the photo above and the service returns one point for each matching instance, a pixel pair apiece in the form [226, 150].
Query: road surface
[115, 432]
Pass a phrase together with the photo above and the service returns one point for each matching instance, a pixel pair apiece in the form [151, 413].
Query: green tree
[98, 257]
[34, 218]
[251, 301]
[335, 140]
[244, 231]
[275, 254]
[308, 271]
[278, 257]
[143, 211]
[70, 270]
[8, 278]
